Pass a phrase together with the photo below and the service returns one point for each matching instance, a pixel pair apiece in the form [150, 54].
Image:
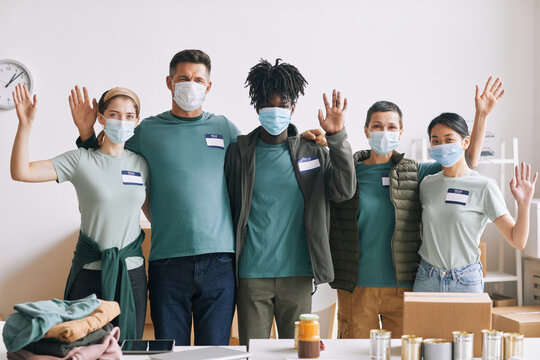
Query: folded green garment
[33, 319]
[60, 349]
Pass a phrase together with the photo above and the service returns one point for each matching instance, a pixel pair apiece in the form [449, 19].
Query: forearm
[20, 163]
[477, 138]
[342, 180]
[520, 232]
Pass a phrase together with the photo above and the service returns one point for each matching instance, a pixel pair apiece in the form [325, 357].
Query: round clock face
[12, 73]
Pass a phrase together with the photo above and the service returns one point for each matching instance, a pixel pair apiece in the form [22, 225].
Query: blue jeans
[202, 286]
[431, 279]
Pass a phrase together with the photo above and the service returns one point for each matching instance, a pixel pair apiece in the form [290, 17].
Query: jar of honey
[308, 337]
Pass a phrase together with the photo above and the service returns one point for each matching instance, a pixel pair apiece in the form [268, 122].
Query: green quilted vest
[344, 242]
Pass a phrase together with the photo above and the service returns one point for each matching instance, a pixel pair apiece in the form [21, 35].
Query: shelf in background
[496, 276]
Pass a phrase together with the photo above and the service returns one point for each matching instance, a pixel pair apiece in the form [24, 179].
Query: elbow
[16, 176]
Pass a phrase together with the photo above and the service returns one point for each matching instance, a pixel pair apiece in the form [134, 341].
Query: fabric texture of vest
[406, 241]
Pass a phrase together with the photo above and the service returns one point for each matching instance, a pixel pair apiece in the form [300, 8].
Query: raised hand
[334, 120]
[486, 101]
[521, 185]
[317, 135]
[25, 105]
[83, 112]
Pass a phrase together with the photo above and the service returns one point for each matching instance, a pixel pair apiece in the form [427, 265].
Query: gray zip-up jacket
[322, 175]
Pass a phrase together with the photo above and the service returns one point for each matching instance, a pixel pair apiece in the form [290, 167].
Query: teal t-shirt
[189, 203]
[376, 223]
[276, 244]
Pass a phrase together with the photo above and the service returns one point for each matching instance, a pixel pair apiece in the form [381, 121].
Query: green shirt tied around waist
[115, 282]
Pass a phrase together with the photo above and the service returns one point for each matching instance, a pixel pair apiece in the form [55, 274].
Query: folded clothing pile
[63, 329]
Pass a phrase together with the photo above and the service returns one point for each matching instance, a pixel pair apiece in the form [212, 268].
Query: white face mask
[189, 95]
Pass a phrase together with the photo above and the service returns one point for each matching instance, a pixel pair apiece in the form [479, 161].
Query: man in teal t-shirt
[280, 187]
[191, 268]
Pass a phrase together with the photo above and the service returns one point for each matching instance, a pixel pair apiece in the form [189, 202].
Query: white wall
[426, 56]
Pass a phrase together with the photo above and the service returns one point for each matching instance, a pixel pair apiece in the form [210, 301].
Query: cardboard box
[502, 300]
[436, 315]
[520, 319]
[483, 258]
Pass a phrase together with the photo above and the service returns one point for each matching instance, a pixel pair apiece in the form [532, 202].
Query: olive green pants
[260, 300]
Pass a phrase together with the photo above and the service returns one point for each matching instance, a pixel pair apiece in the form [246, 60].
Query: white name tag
[309, 163]
[131, 178]
[457, 196]
[386, 180]
[215, 141]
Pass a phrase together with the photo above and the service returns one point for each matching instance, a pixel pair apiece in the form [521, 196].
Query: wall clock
[12, 72]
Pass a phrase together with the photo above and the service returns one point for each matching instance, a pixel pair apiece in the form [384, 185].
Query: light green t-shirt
[111, 191]
[376, 223]
[276, 244]
[455, 211]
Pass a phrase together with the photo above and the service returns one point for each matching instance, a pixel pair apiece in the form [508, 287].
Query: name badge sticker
[309, 163]
[386, 180]
[457, 196]
[131, 178]
[215, 141]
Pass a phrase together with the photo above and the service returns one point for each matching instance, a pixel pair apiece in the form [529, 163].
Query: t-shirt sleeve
[66, 164]
[494, 204]
[234, 130]
[428, 168]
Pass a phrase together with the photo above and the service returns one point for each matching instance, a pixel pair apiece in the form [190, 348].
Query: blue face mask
[275, 119]
[446, 154]
[119, 131]
[383, 142]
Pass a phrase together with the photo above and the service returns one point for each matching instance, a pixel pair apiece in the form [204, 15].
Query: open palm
[486, 101]
[334, 120]
[83, 112]
[25, 105]
[521, 185]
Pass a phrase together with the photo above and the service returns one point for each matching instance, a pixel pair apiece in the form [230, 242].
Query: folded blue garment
[32, 320]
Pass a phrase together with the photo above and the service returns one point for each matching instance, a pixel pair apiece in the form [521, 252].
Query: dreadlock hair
[264, 80]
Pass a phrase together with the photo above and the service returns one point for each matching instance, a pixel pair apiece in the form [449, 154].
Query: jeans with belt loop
[432, 279]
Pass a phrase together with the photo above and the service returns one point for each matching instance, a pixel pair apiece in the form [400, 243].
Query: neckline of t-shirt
[112, 156]
[469, 172]
[187, 119]
[360, 163]
[283, 145]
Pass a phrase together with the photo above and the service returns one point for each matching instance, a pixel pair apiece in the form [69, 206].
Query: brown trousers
[359, 312]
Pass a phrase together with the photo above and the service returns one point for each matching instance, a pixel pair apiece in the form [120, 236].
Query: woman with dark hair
[456, 206]
[111, 184]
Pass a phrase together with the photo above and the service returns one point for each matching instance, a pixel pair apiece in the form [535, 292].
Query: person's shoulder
[433, 178]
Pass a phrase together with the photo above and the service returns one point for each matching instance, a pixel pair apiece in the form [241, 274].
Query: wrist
[86, 133]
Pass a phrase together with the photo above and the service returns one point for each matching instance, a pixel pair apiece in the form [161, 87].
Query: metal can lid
[436, 341]
[514, 335]
[309, 317]
[411, 339]
[492, 332]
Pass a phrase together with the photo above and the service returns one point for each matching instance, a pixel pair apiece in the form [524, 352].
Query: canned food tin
[379, 344]
[411, 347]
[437, 349]
[513, 345]
[492, 344]
[463, 345]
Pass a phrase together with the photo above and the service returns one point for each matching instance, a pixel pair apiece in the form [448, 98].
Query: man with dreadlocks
[280, 186]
